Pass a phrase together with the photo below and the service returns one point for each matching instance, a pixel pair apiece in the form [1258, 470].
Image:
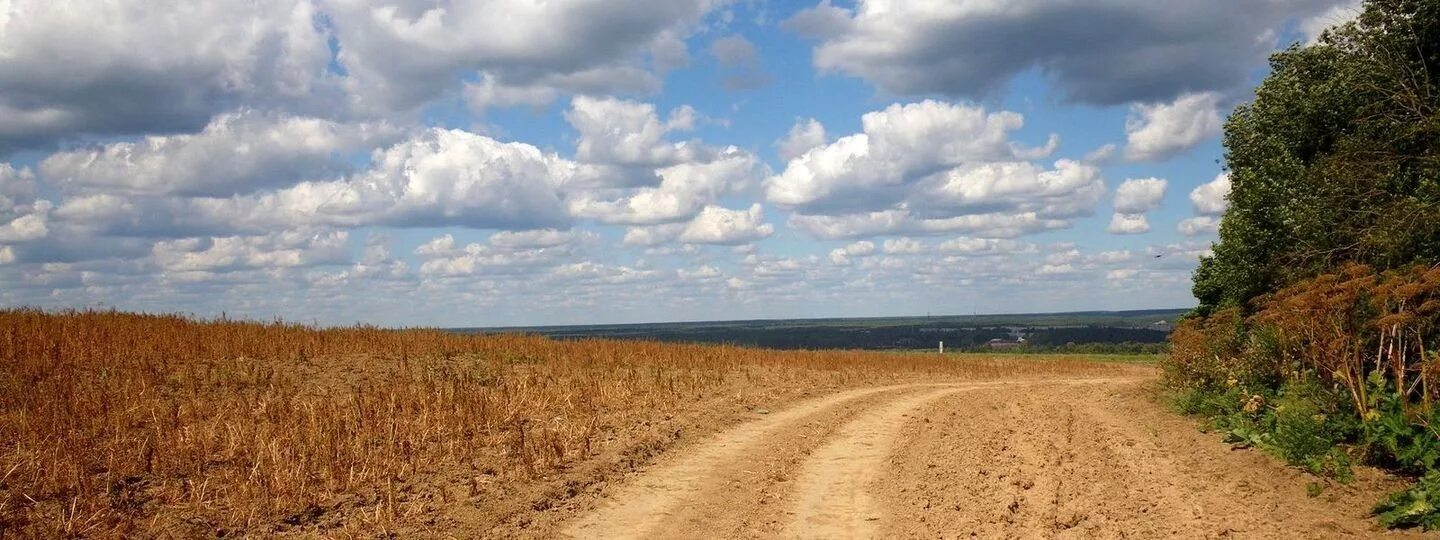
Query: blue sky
[498, 162]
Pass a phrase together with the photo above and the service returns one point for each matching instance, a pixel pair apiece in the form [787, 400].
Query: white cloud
[1337, 15]
[1210, 198]
[1103, 52]
[1159, 131]
[629, 133]
[1070, 189]
[439, 177]
[276, 250]
[17, 191]
[25, 228]
[401, 55]
[841, 256]
[1139, 195]
[118, 67]
[984, 246]
[237, 153]
[652, 235]
[903, 246]
[1121, 274]
[897, 146]
[1210, 201]
[716, 225]
[1128, 224]
[803, 136]
[539, 238]
[684, 190]
[902, 221]
[1101, 155]
[505, 253]
[1198, 225]
[23, 217]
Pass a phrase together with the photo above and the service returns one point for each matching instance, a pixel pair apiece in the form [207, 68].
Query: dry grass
[115, 424]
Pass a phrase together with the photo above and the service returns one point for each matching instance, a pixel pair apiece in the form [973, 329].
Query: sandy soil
[1050, 458]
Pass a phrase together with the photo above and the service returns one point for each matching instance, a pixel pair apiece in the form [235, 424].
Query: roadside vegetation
[128, 425]
[1317, 337]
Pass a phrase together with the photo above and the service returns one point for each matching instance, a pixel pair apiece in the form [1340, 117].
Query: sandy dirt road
[1051, 458]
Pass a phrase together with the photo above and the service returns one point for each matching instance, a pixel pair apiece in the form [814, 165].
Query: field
[122, 425]
[1129, 331]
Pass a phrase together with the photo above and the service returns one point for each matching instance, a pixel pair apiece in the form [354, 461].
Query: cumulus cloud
[683, 191]
[716, 225]
[931, 168]
[1210, 201]
[1159, 131]
[17, 190]
[628, 133]
[802, 137]
[841, 256]
[903, 246]
[237, 153]
[897, 147]
[652, 235]
[276, 250]
[121, 67]
[23, 217]
[439, 177]
[902, 221]
[1198, 225]
[1139, 195]
[1104, 52]
[124, 67]
[402, 54]
[503, 253]
[1128, 224]
[1210, 198]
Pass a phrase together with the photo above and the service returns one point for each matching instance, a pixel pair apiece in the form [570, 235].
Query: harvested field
[117, 424]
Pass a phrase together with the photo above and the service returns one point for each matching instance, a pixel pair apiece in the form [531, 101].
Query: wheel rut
[1024, 458]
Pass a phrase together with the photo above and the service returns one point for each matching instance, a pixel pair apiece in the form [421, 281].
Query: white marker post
[942, 347]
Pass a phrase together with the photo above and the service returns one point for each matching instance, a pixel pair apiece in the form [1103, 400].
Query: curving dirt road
[1052, 458]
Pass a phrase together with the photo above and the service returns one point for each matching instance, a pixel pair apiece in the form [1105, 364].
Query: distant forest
[1092, 332]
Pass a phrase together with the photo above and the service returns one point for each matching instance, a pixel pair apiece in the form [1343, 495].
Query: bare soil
[1058, 457]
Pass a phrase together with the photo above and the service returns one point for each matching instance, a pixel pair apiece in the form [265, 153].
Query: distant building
[1161, 325]
[1001, 344]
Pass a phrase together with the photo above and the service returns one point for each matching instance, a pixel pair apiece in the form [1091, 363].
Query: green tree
[1336, 159]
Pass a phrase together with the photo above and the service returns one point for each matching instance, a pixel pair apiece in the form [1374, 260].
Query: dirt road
[1062, 458]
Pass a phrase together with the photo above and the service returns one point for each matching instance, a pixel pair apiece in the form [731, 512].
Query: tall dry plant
[1342, 326]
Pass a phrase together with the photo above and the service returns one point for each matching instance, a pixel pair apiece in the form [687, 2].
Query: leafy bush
[1418, 506]
[1408, 441]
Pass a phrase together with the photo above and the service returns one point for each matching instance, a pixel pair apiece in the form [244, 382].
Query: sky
[509, 162]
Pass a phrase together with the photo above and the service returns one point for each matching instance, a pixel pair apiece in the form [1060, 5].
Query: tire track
[833, 495]
[660, 494]
[726, 486]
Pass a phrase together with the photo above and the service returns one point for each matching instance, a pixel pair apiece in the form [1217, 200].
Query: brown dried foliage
[116, 424]
[1342, 325]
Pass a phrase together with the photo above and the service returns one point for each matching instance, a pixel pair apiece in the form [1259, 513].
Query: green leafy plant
[1406, 441]
[1418, 506]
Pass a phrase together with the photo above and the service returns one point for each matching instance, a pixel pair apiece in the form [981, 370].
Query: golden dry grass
[116, 424]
